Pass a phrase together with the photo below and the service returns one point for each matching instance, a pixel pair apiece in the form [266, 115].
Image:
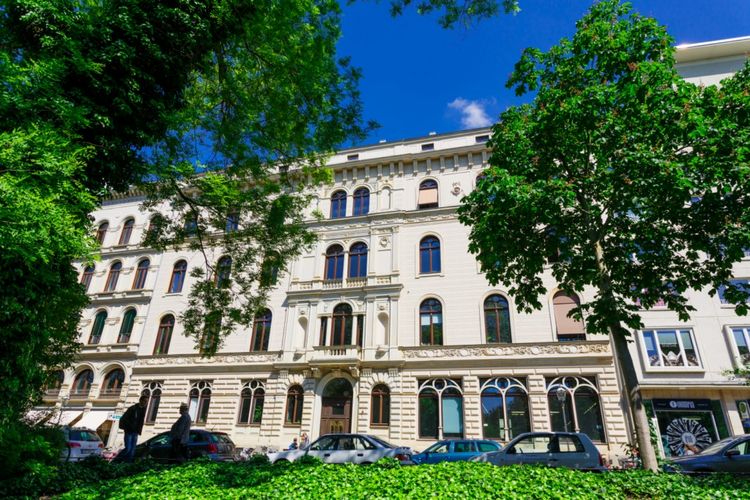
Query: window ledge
[429, 275]
[288, 424]
[244, 426]
[674, 369]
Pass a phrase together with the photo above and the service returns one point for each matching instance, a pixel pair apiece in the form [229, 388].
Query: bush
[26, 449]
[258, 459]
[309, 460]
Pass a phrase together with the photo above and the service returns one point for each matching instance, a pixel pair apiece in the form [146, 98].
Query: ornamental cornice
[219, 359]
[515, 350]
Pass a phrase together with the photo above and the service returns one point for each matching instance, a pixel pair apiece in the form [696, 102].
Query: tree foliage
[458, 12]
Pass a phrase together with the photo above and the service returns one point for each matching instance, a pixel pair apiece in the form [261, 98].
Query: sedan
[730, 454]
[455, 450]
[345, 448]
[553, 449]
[216, 446]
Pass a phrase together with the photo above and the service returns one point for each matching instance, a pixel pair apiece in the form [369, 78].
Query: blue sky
[419, 78]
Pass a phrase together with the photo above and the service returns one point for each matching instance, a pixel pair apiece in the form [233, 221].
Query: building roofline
[713, 49]
[414, 140]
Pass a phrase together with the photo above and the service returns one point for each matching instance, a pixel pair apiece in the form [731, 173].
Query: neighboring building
[387, 327]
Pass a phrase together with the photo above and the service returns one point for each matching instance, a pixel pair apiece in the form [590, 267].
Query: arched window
[497, 319]
[334, 263]
[164, 336]
[338, 205]
[261, 330]
[568, 328]
[141, 273]
[441, 413]
[55, 383]
[380, 407]
[82, 384]
[223, 270]
[431, 322]
[153, 391]
[127, 230]
[101, 232]
[114, 275]
[113, 383]
[88, 273]
[361, 201]
[574, 406]
[251, 402]
[505, 408]
[98, 328]
[428, 194]
[429, 255]
[294, 400]
[341, 332]
[179, 271]
[200, 400]
[126, 329]
[358, 260]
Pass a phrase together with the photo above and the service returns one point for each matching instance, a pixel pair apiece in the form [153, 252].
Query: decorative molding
[552, 349]
[221, 359]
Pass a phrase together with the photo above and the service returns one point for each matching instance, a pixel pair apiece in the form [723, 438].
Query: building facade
[386, 326]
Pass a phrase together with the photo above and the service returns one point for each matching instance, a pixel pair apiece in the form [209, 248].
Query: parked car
[80, 443]
[346, 448]
[554, 449]
[730, 454]
[455, 450]
[216, 446]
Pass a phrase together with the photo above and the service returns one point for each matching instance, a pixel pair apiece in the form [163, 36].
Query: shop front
[687, 426]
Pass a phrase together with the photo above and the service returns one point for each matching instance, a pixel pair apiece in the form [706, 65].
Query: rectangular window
[670, 348]
[360, 329]
[428, 147]
[323, 330]
[742, 285]
[428, 198]
[482, 138]
[741, 336]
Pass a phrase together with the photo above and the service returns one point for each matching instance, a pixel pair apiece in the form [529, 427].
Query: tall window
[497, 319]
[113, 382]
[88, 273]
[141, 273]
[251, 402]
[334, 262]
[341, 331]
[568, 328]
[101, 232]
[98, 328]
[505, 408]
[380, 407]
[126, 329]
[431, 322]
[191, 225]
[200, 400]
[127, 231]
[82, 383]
[153, 391]
[428, 194]
[338, 205]
[114, 275]
[261, 330]
[232, 222]
[55, 384]
[741, 337]
[670, 348]
[358, 260]
[179, 271]
[164, 336]
[441, 413]
[429, 255]
[294, 399]
[223, 270]
[574, 406]
[361, 201]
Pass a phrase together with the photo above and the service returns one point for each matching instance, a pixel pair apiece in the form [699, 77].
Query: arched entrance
[336, 412]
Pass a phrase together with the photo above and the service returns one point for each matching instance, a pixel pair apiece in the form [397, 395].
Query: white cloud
[473, 113]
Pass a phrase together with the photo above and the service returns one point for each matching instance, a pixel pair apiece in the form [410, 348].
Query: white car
[80, 443]
[346, 448]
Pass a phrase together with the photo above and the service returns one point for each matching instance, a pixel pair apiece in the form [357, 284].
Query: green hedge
[448, 480]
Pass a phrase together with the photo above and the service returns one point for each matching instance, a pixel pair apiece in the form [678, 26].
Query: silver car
[345, 448]
[553, 449]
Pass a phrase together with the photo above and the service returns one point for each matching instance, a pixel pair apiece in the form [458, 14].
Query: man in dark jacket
[132, 423]
[179, 435]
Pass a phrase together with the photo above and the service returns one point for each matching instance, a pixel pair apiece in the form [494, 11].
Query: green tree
[634, 180]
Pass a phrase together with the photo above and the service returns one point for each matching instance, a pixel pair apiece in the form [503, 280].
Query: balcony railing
[336, 353]
[321, 284]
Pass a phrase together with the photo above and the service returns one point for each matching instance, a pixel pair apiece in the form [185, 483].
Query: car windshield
[381, 442]
[714, 447]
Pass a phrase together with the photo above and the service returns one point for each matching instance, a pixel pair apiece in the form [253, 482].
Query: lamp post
[63, 402]
[562, 395]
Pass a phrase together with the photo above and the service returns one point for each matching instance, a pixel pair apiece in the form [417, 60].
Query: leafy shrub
[258, 459]
[387, 463]
[309, 460]
[28, 454]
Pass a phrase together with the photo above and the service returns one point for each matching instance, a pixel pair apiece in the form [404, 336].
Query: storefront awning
[35, 416]
[93, 419]
[66, 417]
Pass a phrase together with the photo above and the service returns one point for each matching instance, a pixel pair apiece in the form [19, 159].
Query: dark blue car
[454, 450]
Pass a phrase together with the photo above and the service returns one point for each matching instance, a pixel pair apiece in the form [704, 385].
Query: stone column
[538, 405]
[472, 408]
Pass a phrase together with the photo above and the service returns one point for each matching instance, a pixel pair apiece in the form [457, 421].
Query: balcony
[347, 283]
[142, 295]
[335, 354]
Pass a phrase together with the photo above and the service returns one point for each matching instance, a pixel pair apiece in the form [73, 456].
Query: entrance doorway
[336, 414]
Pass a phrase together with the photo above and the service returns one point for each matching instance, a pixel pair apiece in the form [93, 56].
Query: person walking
[132, 423]
[304, 441]
[179, 435]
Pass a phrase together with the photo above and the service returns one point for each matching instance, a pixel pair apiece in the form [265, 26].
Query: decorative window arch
[114, 275]
[338, 204]
[82, 383]
[101, 232]
[164, 335]
[127, 231]
[55, 383]
[497, 319]
[251, 402]
[88, 274]
[141, 273]
[199, 401]
[153, 390]
[380, 407]
[295, 398]
[428, 194]
[429, 255]
[441, 412]
[358, 260]
[98, 327]
[361, 201]
[179, 272]
[568, 328]
[126, 329]
[334, 263]
[223, 271]
[341, 329]
[113, 382]
[574, 406]
[505, 408]
[431, 322]
[261, 330]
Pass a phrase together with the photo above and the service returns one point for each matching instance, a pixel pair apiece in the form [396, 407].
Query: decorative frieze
[550, 349]
[220, 359]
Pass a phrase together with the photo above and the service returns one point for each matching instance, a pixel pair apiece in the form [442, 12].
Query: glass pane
[493, 422]
[691, 356]
[669, 347]
[491, 326]
[453, 416]
[193, 408]
[651, 350]
[560, 413]
[245, 409]
[424, 261]
[258, 409]
[435, 260]
[517, 405]
[428, 416]
[589, 414]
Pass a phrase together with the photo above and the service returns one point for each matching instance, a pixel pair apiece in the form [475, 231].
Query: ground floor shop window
[251, 402]
[687, 426]
[441, 412]
[574, 406]
[200, 400]
[153, 391]
[743, 407]
[505, 408]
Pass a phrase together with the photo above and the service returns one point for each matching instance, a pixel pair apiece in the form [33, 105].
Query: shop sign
[682, 404]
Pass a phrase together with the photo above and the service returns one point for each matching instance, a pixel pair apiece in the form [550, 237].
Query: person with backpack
[132, 423]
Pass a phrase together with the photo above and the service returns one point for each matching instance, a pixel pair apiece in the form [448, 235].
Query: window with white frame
[670, 348]
[741, 337]
[739, 285]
